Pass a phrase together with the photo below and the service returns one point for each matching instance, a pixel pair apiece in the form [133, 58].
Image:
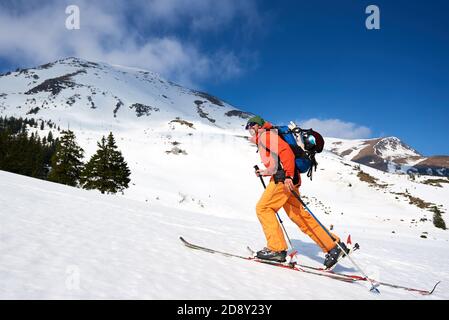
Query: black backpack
[313, 143]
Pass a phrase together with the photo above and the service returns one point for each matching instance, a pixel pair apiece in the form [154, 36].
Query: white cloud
[37, 34]
[336, 128]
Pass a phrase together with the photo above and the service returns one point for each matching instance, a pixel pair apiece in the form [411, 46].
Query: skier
[280, 165]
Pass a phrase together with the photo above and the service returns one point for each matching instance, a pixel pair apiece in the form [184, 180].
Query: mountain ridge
[389, 154]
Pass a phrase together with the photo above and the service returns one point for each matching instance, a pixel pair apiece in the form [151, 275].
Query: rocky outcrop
[55, 85]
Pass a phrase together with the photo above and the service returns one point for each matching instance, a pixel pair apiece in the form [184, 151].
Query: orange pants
[274, 198]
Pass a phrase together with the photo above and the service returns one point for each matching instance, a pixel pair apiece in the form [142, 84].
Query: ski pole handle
[256, 167]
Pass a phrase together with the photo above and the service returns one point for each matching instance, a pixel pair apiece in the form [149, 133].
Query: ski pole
[256, 167]
[314, 217]
[373, 284]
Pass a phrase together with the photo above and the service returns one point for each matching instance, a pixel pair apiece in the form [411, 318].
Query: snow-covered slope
[63, 242]
[169, 135]
[191, 175]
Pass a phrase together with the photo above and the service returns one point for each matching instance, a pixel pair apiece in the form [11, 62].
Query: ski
[308, 269]
[360, 278]
[293, 267]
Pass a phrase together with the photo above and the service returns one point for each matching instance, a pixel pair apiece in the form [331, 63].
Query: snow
[341, 145]
[67, 243]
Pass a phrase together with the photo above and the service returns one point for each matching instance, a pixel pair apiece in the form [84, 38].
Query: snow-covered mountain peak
[389, 154]
[73, 90]
[392, 148]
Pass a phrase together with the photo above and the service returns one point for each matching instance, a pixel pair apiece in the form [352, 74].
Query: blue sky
[309, 61]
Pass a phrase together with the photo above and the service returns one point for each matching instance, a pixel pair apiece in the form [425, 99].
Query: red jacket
[265, 140]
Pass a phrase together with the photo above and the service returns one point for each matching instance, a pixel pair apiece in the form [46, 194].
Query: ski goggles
[249, 125]
[311, 139]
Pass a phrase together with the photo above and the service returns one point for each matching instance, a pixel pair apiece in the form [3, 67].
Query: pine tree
[107, 170]
[37, 159]
[91, 176]
[50, 137]
[4, 146]
[23, 154]
[67, 161]
[119, 167]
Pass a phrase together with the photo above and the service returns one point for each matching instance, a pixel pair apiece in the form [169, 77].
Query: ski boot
[267, 254]
[333, 255]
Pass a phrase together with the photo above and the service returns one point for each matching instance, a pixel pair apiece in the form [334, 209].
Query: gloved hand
[288, 184]
[279, 176]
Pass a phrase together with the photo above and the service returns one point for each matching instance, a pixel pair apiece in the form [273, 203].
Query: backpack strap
[312, 167]
[279, 163]
[275, 156]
